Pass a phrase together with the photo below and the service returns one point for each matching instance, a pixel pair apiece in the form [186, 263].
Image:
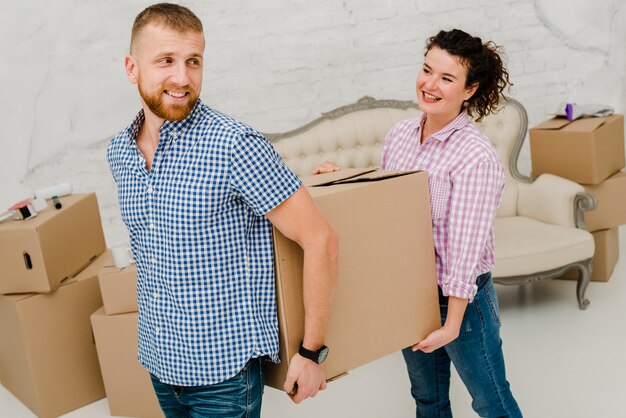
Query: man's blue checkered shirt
[202, 245]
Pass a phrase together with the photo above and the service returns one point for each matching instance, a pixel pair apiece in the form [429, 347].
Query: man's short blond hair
[172, 16]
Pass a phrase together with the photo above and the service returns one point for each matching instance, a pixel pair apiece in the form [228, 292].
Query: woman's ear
[469, 92]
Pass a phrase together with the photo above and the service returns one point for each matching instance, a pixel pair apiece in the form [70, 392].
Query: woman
[461, 77]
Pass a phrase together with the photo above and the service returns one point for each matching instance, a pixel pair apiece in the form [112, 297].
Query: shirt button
[156, 295]
[150, 189]
[157, 330]
[153, 260]
[152, 226]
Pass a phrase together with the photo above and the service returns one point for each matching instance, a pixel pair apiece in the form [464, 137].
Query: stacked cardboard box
[119, 289]
[127, 384]
[39, 253]
[603, 223]
[49, 269]
[586, 150]
[589, 151]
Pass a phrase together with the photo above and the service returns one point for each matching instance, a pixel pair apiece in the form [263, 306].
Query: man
[197, 191]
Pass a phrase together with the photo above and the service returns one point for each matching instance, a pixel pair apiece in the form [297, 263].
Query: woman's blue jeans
[477, 357]
[238, 397]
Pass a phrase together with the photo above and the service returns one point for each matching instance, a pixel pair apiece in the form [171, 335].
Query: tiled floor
[562, 362]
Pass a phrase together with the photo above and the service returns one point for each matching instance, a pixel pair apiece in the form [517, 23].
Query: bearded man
[199, 192]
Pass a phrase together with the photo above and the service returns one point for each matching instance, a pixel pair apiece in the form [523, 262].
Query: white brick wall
[275, 65]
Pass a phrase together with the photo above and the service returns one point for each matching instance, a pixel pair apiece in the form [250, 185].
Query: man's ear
[469, 92]
[131, 68]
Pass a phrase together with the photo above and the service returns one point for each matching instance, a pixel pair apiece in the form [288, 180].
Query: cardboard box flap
[374, 176]
[330, 178]
[554, 123]
[16, 297]
[95, 266]
[78, 275]
[352, 175]
[109, 266]
[91, 269]
[585, 124]
[589, 124]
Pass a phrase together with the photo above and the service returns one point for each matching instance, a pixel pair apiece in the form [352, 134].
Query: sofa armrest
[554, 200]
[582, 203]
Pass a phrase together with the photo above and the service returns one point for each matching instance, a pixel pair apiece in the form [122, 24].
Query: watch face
[323, 354]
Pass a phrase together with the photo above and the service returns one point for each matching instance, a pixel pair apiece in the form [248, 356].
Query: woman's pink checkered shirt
[466, 180]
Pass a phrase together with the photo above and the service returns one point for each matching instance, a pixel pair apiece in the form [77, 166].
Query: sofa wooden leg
[583, 281]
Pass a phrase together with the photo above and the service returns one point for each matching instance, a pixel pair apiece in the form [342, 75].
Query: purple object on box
[569, 111]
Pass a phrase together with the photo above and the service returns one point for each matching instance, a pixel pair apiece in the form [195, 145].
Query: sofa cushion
[526, 246]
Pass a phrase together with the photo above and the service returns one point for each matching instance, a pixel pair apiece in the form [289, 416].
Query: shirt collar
[457, 123]
[133, 129]
[182, 125]
[168, 126]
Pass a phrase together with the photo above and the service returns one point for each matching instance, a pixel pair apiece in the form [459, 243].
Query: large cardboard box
[386, 297]
[48, 359]
[605, 257]
[127, 384]
[586, 150]
[119, 289]
[39, 253]
[611, 210]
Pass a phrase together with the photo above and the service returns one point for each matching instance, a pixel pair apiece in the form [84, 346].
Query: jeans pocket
[491, 300]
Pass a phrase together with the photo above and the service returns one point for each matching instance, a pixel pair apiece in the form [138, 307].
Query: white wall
[275, 65]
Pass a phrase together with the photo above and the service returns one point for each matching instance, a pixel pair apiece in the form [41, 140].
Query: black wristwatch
[317, 356]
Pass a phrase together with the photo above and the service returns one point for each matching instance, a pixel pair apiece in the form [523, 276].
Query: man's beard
[171, 112]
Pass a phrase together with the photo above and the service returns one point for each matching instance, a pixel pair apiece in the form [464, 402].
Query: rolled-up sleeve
[474, 199]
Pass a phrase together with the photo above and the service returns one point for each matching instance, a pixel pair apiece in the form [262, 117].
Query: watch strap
[313, 355]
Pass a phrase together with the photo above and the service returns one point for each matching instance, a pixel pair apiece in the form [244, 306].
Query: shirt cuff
[460, 289]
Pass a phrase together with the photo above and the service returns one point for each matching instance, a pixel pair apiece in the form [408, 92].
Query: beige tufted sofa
[539, 228]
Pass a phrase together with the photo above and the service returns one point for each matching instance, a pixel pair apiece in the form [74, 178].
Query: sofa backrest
[352, 136]
[506, 130]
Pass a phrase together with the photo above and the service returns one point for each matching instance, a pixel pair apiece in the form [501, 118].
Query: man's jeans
[238, 397]
[477, 357]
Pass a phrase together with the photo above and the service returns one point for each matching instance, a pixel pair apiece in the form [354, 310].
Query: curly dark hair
[484, 67]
